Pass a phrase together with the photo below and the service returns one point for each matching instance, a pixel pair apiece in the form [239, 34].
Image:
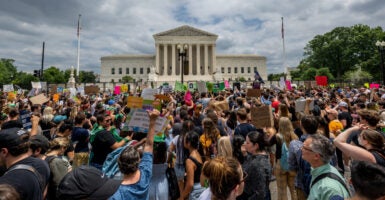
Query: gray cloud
[126, 27]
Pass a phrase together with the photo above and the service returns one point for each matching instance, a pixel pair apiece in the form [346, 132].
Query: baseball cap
[39, 141]
[86, 182]
[13, 137]
[111, 102]
[343, 104]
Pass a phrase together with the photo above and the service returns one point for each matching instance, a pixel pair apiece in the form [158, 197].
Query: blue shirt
[140, 189]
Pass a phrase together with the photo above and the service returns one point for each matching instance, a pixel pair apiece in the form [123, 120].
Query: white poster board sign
[36, 85]
[8, 88]
[139, 121]
[300, 105]
[148, 93]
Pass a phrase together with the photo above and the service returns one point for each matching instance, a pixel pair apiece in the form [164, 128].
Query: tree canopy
[342, 49]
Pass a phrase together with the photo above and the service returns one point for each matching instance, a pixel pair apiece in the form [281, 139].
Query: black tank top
[197, 172]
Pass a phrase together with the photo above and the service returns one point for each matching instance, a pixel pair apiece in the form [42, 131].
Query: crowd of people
[81, 148]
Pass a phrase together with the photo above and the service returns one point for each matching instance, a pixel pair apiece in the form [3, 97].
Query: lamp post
[381, 50]
[182, 56]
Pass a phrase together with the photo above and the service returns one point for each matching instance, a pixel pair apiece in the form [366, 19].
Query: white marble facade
[201, 61]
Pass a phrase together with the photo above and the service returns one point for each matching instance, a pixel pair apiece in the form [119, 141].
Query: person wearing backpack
[59, 167]
[309, 126]
[326, 181]
[284, 176]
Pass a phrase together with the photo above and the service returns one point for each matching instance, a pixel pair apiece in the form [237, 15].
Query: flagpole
[284, 50]
[78, 59]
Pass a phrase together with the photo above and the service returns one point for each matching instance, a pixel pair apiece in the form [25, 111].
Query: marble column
[157, 58]
[165, 59]
[206, 64]
[190, 71]
[173, 60]
[199, 71]
[213, 59]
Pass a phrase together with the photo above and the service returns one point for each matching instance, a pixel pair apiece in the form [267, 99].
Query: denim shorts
[179, 171]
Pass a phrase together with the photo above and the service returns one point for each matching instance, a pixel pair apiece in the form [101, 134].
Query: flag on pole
[282, 30]
[78, 32]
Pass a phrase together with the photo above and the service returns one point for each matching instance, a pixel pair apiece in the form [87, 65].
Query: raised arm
[357, 153]
[148, 147]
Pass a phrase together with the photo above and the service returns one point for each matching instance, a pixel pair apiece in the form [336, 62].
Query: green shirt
[326, 187]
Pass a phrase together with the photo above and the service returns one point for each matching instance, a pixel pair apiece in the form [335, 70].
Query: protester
[194, 162]
[243, 128]
[226, 179]
[86, 182]
[58, 166]
[137, 171]
[80, 137]
[326, 180]
[368, 180]
[257, 166]
[103, 142]
[28, 175]
[284, 176]
[309, 126]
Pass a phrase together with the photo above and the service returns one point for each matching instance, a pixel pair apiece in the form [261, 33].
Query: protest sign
[139, 121]
[179, 87]
[253, 92]
[124, 88]
[36, 85]
[321, 80]
[162, 97]
[282, 84]
[91, 89]
[300, 105]
[227, 85]
[134, 102]
[148, 93]
[53, 89]
[8, 88]
[221, 105]
[201, 85]
[117, 90]
[374, 85]
[81, 90]
[39, 99]
[288, 85]
[262, 117]
[192, 86]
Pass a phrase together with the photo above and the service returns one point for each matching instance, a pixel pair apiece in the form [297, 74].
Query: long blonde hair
[224, 147]
[286, 130]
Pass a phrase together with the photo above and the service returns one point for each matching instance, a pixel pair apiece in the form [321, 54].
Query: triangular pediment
[185, 31]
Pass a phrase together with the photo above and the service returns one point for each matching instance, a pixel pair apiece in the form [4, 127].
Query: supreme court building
[184, 49]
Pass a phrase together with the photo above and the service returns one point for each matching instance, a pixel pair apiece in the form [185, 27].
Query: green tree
[87, 77]
[53, 75]
[126, 79]
[309, 74]
[24, 80]
[357, 76]
[296, 75]
[342, 48]
[8, 71]
[242, 79]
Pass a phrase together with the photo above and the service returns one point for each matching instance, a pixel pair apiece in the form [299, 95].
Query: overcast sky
[127, 26]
